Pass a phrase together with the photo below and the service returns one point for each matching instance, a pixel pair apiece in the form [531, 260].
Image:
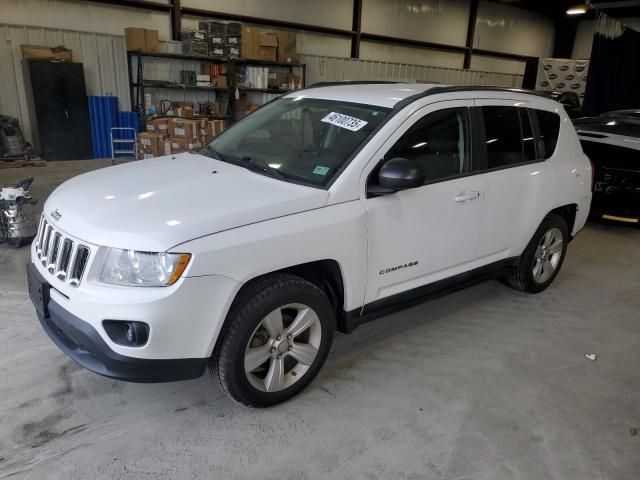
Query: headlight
[142, 269]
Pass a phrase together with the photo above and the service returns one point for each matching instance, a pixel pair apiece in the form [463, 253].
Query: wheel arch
[326, 274]
[568, 213]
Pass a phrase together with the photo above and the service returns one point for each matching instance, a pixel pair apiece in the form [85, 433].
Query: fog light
[127, 334]
[128, 331]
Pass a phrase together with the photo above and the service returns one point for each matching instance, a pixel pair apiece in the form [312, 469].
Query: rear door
[519, 185]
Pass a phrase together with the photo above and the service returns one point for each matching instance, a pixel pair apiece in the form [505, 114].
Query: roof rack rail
[350, 82]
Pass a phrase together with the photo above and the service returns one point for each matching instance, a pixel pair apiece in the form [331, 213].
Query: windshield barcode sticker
[344, 121]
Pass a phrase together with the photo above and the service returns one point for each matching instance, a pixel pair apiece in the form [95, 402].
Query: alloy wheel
[547, 255]
[282, 347]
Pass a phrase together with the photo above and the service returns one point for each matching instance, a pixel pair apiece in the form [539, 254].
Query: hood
[155, 204]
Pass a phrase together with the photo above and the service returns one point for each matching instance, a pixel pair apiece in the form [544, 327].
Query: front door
[425, 234]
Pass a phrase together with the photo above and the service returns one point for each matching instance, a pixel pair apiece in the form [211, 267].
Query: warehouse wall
[94, 32]
[499, 27]
[103, 56]
[81, 16]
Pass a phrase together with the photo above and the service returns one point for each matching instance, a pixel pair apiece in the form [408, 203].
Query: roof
[381, 94]
[385, 94]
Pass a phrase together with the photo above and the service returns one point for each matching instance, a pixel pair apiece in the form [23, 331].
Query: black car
[612, 142]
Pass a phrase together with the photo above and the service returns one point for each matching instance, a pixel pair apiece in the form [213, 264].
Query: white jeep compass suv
[322, 210]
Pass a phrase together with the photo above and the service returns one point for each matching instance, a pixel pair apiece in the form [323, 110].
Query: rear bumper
[617, 202]
[82, 343]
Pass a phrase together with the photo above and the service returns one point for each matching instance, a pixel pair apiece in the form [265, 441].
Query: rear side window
[504, 136]
[549, 125]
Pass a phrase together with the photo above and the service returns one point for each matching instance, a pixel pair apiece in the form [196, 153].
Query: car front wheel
[275, 340]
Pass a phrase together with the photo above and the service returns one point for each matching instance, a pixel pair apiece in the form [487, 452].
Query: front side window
[509, 136]
[304, 140]
[438, 143]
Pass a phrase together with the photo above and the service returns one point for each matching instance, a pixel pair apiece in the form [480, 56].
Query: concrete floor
[487, 383]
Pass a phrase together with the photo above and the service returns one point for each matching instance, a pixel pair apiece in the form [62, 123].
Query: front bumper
[83, 344]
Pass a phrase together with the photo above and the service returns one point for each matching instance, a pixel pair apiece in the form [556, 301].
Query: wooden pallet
[34, 162]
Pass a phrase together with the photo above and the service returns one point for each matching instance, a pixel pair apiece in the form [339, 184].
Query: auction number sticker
[344, 121]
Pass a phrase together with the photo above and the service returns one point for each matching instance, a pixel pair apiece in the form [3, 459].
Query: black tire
[522, 277]
[255, 301]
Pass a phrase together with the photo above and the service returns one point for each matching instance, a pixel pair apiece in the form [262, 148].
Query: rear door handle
[467, 196]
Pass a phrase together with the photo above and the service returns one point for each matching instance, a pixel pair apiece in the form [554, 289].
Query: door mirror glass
[400, 174]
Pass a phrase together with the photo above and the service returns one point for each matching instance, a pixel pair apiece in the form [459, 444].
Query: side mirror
[399, 174]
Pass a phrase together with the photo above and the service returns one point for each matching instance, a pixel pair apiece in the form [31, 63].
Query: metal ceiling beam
[176, 20]
[471, 31]
[356, 26]
[140, 4]
[197, 12]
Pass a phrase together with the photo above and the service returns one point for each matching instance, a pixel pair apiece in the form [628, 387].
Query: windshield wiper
[215, 155]
[260, 166]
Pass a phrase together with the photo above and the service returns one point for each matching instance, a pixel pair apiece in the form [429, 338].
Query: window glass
[528, 140]
[438, 143]
[504, 140]
[306, 140]
[549, 125]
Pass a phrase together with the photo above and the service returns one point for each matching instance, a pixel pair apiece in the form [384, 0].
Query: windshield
[298, 139]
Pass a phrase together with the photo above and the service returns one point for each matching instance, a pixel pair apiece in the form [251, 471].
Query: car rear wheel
[275, 340]
[541, 261]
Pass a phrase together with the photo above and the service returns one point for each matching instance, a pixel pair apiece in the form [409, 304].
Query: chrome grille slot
[63, 256]
[55, 250]
[47, 241]
[42, 228]
[79, 264]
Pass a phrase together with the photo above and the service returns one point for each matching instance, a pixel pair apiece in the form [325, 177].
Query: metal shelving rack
[137, 86]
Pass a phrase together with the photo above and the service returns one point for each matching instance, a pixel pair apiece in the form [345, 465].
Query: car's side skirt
[350, 320]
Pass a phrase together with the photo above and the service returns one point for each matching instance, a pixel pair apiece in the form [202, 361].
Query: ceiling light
[577, 10]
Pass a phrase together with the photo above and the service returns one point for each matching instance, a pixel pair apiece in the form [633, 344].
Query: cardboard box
[148, 143]
[42, 52]
[178, 103]
[159, 126]
[287, 47]
[268, 47]
[249, 43]
[216, 127]
[152, 41]
[187, 112]
[141, 39]
[187, 129]
[135, 39]
[182, 145]
[165, 147]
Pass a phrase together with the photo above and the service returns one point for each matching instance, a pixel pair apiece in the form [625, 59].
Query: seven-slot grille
[62, 256]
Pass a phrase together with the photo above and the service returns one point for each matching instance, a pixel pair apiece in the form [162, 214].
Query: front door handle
[467, 196]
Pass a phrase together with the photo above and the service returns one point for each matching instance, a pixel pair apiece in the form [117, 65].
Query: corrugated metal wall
[105, 66]
[325, 69]
[103, 56]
